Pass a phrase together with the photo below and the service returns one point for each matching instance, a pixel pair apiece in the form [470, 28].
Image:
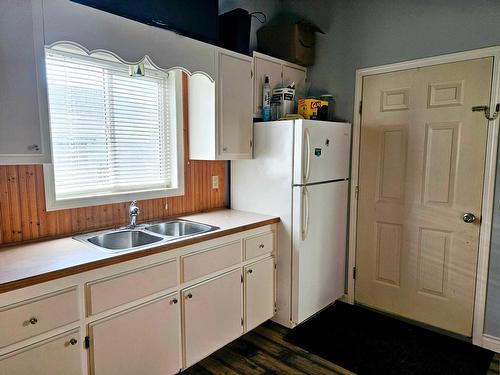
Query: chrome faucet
[133, 212]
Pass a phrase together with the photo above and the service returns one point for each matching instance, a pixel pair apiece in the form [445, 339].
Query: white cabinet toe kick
[154, 315]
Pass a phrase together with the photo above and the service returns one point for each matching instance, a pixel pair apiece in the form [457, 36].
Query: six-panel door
[141, 340]
[212, 315]
[259, 293]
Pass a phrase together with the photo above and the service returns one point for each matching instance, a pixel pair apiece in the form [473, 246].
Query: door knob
[469, 217]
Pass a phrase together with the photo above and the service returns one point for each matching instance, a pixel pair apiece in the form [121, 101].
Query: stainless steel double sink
[144, 236]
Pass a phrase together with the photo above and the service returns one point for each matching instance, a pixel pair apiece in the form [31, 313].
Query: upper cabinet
[23, 108]
[226, 133]
[281, 73]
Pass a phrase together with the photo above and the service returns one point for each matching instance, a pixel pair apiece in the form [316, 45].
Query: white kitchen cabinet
[226, 132]
[262, 68]
[141, 340]
[293, 74]
[259, 293]
[212, 315]
[23, 116]
[281, 73]
[57, 355]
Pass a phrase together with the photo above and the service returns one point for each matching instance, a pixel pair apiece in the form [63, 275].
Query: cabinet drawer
[119, 289]
[259, 245]
[212, 260]
[35, 316]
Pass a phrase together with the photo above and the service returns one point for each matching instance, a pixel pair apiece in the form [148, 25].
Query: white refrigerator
[300, 172]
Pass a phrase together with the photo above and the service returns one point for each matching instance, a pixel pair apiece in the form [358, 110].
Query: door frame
[488, 184]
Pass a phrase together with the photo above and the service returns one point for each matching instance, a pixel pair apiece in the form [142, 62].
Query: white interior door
[319, 247]
[321, 152]
[422, 157]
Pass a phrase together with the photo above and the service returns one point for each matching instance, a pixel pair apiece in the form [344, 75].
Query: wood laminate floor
[263, 351]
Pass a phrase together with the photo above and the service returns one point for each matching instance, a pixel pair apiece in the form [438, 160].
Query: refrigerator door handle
[304, 217]
[306, 156]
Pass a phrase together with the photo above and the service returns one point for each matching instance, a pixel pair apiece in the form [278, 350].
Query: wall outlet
[215, 182]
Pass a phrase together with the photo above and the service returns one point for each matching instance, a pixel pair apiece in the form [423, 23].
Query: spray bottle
[266, 100]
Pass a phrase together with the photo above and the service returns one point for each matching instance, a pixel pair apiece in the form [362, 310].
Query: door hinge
[354, 273]
[241, 278]
[275, 266]
[251, 73]
[356, 192]
[251, 143]
[242, 322]
[275, 307]
[87, 342]
[360, 107]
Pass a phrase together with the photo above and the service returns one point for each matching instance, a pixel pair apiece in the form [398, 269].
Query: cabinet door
[259, 293]
[142, 340]
[212, 315]
[263, 68]
[235, 107]
[21, 66]
[292, 74]
[57, 355]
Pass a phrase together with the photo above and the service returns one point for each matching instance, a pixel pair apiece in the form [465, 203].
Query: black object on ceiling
[193, 18]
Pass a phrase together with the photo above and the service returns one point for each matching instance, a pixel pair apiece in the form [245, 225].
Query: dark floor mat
[369, 343]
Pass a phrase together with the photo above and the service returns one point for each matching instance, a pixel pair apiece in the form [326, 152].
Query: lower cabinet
[212, 315]
[142, 340]
[58, 355]
[259, 293]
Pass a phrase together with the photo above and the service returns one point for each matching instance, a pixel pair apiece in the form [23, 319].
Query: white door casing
[421, 163]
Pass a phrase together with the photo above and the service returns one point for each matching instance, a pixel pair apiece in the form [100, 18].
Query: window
[114, 133]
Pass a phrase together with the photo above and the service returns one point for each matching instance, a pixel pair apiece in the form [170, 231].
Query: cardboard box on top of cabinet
[293, 42]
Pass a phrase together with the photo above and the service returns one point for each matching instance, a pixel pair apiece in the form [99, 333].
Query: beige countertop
[34, 263]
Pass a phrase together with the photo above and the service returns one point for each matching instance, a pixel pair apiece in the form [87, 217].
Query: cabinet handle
[261, 246]
[189, 296]
[73, 341]
[33, 320]
[250, 270]
[174, 301]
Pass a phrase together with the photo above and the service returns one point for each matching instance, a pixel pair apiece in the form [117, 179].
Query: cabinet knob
[174, 301]
[224, 149]
[73, 341]
[34, 148]
[261, 246]
[250, 270]
[33, 320]
[189, 296]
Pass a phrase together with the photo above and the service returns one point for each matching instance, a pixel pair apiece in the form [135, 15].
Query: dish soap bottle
[266, 100]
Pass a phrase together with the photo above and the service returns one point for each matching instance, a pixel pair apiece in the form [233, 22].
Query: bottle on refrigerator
[266, 100]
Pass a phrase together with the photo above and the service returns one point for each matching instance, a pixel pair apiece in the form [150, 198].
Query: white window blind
[110, 131]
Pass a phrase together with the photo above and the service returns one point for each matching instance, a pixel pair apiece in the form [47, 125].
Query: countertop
[34, 263]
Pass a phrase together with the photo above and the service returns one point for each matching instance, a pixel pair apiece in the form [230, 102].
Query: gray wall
[364, 33]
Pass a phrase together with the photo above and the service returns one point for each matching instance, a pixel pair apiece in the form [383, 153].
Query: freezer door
[322, 151]
[319, 247]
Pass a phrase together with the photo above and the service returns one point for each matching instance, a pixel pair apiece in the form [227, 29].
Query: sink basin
[123, 240]
[180, 228]
[143, 236]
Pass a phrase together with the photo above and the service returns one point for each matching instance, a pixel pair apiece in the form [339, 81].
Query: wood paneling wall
[23, 216]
